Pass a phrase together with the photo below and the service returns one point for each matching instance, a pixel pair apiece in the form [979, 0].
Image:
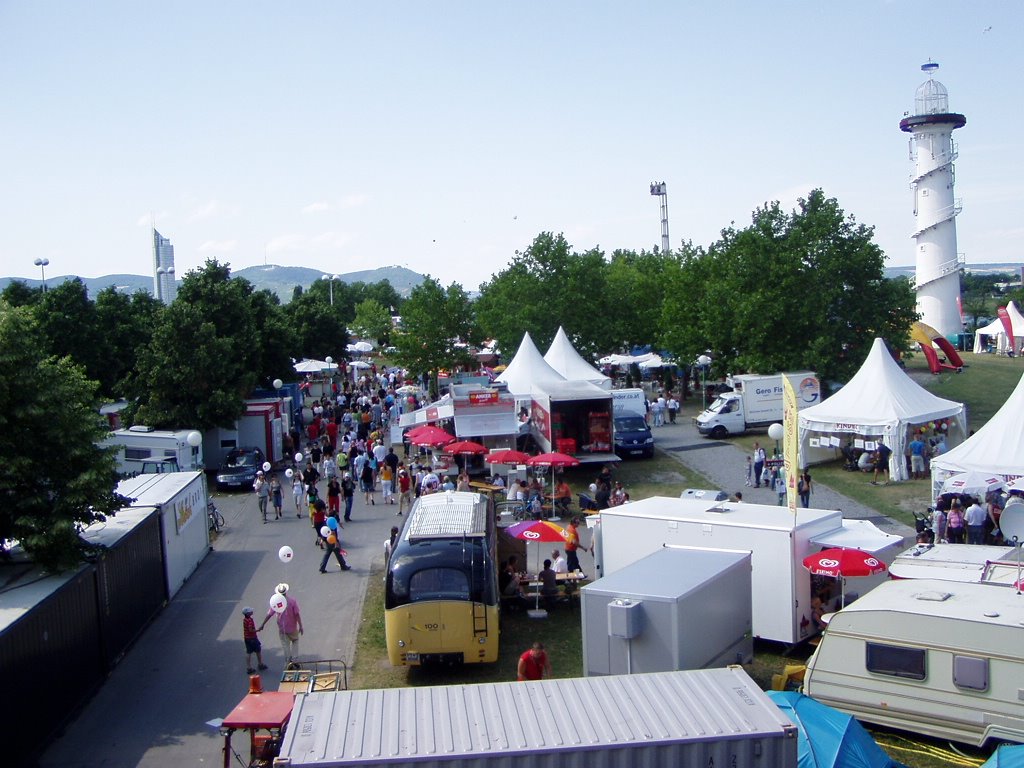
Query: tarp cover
[563, 357]
[1006, 756]
[995, 328]
[829, 738]
[880, 400]
[998, 447]
[527, 369]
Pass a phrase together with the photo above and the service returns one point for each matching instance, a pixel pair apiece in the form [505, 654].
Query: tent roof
[528, 368]
[997, 447]
[996, 326]
[880, 393]
[563, 357]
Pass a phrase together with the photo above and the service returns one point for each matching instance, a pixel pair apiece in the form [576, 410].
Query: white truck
[755, 401]
[632, 435]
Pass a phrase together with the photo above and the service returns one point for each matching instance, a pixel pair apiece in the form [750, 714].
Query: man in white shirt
[975, 517]
[558, 563]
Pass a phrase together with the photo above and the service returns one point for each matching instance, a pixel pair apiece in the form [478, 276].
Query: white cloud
[318, 207]
[218, 246]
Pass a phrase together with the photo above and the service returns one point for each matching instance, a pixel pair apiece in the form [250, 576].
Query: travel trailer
[939, 658]
[777, 539]
[957, 562]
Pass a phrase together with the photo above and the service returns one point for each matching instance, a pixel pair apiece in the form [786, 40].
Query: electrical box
[625, 618]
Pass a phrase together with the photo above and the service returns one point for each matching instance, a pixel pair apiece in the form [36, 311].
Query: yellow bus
[441, 588]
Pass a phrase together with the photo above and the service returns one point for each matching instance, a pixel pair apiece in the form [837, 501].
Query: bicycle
[216, 519]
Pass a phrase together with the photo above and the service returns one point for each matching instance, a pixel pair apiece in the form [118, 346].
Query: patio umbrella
[973, 483]
[552, 460]
[360, 346]
[537, 531]
[407, 389]
[506, 456]
[314, 366]
[358, 364]
[431, 436]
[842, 564]
[466, 447]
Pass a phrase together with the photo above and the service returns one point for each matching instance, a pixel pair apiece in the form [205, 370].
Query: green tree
[205, 355]
[434, 322]
[791, 291]
[18, 293]
[372, 321]
[320, 329]
[49, 402]
[67, 319]
[124, 326]
[277, 338]
[636, 287]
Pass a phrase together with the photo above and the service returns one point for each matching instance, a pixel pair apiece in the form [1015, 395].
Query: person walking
[298, 492]
[534, 664]
[759, 459]
[366, 479]
[252, 642]
[572, 545]
[348, 494]
[975, 517]
[404, 491]
[334, 496]
[262, 488]
[289, 626]
[276, 496]
[804, 489]
[334, 548]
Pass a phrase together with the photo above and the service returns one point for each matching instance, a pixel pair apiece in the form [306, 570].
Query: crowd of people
[969, 519]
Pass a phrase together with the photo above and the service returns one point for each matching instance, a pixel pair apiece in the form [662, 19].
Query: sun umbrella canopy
[314, 366]
[465, 446]
[360, 346]
[430, 436]
[843, 562]
[507, 457]
[552, 460]
[974, 483]
[537, 530]
[358, 364]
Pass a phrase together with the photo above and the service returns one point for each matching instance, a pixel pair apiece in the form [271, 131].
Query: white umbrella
[407, 389]
[358, 364]
[314, 366]
[360, 346]
[653, 362]
[973, 483]
[1015, 485]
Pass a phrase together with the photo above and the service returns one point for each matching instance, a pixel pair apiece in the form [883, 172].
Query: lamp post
[330, 281]
[776, 432]
[703, 361]
[42, 264]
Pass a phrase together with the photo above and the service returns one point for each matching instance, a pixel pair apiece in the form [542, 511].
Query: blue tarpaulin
[1006, 757]
[829, 738]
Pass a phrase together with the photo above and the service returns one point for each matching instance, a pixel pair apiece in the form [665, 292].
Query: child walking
[252, 642]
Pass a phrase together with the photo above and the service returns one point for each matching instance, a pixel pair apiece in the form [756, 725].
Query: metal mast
[660, 189]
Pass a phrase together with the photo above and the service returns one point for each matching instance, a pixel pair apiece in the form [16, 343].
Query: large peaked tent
[995, 328]
[996, 448]
[527, 369]
[563, 357]
[881, 400]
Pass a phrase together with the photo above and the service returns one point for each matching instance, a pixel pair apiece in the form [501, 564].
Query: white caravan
[957, 562]
[777, 539]
[939, 658]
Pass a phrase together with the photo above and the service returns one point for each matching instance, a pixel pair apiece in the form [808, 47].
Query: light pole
[330, 281]
[42, 264]
[703, 361]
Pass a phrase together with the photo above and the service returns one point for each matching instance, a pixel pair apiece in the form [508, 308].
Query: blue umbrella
[829, 738]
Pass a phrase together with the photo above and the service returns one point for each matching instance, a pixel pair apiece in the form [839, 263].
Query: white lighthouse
[932, 151]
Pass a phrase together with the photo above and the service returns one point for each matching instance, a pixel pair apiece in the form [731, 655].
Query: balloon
[332, 539]
[332, 523]
[325, 531]
[298, 457]
[266, 466]
[288, 473]
[944, 427]
[285, 554]
[278, 603]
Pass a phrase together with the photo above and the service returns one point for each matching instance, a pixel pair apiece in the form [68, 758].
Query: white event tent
[997, 448]
[881, 400]
[563, 357]
[526, 370]
[995, 328]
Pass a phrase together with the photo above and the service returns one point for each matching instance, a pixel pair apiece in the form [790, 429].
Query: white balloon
[298, 457]
[325, 531]
[285, 554]
[278, 603]
[288, 473]
[278, 383]
[266, 466]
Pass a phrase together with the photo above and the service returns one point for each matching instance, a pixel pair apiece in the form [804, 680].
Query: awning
[858, 534]
[486, 424]
[442, 409]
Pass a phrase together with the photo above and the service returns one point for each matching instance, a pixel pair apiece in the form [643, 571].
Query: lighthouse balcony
[951, 266]
[942, 215]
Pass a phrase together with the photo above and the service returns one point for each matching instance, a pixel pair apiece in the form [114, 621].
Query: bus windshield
[440, 570]
[438, 584]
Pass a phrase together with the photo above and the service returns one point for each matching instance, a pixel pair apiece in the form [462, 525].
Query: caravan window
[895, 660]
[970, 672]
[136, 454]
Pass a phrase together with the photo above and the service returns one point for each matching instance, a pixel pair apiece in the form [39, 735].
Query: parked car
[240, 468]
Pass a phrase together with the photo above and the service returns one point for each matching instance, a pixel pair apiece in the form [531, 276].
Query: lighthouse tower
[932, 151]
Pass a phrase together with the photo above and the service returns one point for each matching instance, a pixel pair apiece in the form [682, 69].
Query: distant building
[164, 287]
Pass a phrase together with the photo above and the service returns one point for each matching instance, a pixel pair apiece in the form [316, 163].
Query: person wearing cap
[262, 488]
[252, 642]
[289, 626]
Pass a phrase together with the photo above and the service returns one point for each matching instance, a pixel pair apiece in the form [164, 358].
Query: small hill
[274, 278]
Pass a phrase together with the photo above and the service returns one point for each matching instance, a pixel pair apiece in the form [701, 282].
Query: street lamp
[330, 281]
[42, 264]
[776, 432]
[703, 361]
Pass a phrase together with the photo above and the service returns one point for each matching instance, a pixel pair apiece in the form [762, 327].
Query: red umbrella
[553, 460]
[842, 563]
[431, 436]
[465, 446]
[507, 456]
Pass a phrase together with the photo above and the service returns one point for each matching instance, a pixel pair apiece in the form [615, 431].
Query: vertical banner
[1004, 318]
[790, 448]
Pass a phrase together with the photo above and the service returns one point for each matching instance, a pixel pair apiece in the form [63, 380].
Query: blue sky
[444, 136]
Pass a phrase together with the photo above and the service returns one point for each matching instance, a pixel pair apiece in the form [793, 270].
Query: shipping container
[716, 717]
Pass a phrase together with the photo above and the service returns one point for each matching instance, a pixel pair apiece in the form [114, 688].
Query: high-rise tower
[164, 287]
[932, 151]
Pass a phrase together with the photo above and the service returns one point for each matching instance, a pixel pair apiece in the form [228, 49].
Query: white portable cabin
[684, 719]
[777, 539]
[956, 562]
[939, 658]
[180, 498]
